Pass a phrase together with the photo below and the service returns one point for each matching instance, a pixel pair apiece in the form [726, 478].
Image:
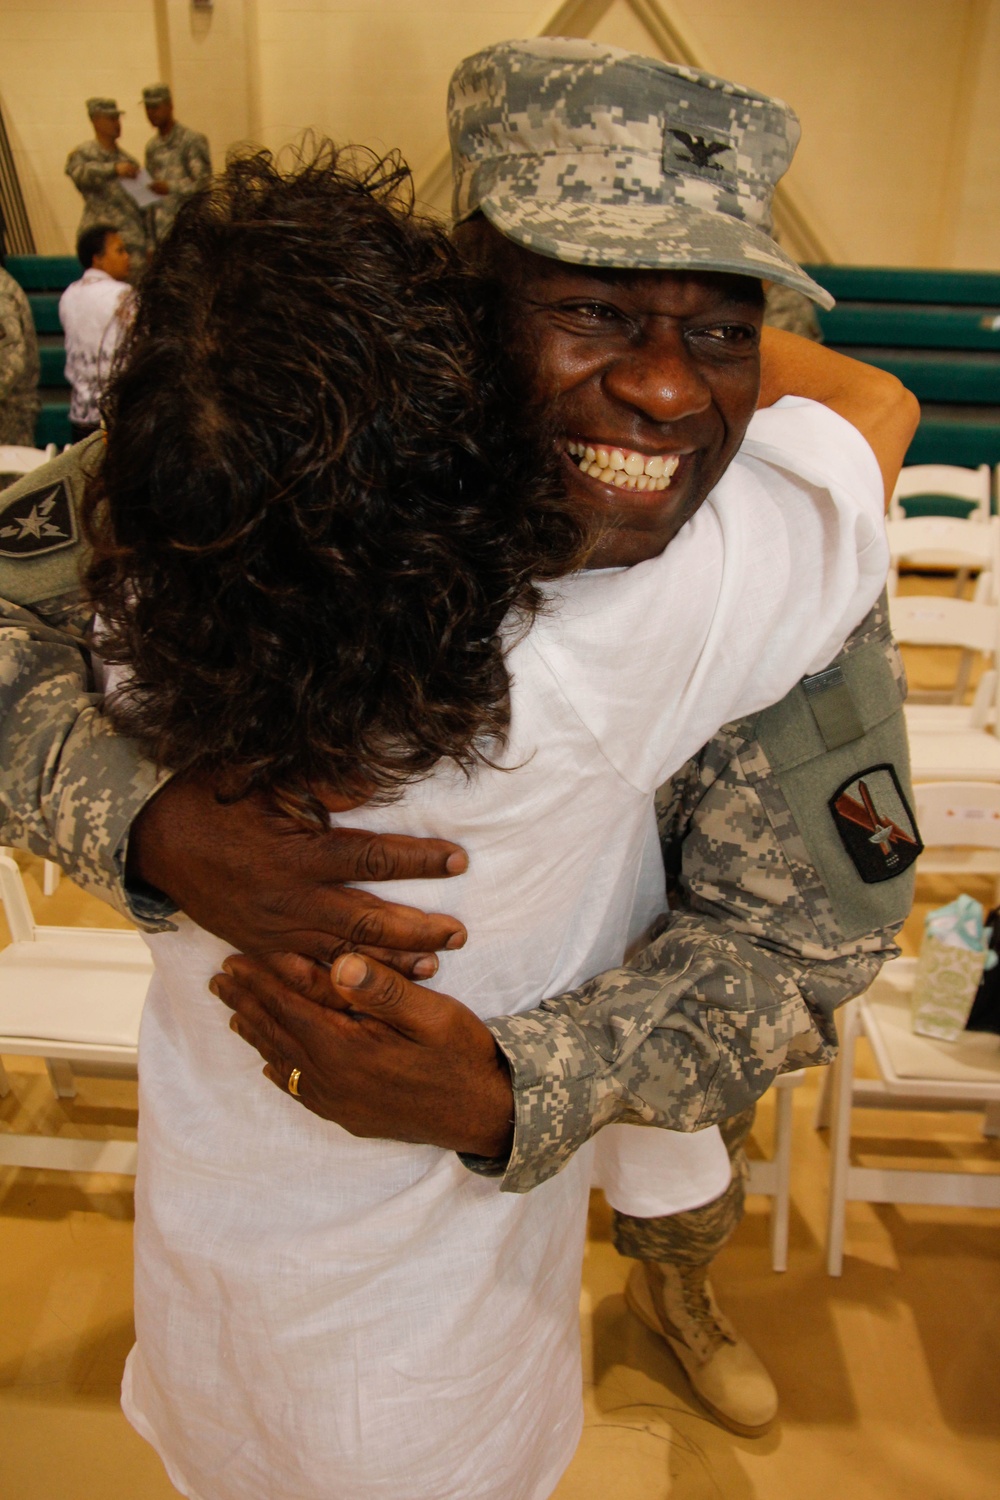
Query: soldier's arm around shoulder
[789, 844]
[69, 786]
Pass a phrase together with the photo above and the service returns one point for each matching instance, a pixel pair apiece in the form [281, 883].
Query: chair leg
[61, 1078]
[824, 1101]
[51, 875]
[4, 1082]
[781, 1202]
[840, 1139]
[991, 1123]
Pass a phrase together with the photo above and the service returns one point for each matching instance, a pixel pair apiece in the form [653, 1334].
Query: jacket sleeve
[70, 786]
[197, 167]
[86, 174]
[772, 926]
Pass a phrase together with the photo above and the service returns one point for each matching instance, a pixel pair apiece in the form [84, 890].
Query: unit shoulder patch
[875, 824]
[38, 522]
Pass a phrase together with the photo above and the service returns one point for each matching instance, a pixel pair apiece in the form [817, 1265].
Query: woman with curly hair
[331, 558]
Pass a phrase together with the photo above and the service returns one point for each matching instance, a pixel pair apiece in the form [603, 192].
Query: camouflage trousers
[693, 1238]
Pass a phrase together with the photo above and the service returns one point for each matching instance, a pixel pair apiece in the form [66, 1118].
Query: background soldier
[97, 169]
[177, 159]
[19, 404]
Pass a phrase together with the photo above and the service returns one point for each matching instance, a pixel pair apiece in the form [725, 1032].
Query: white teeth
[624, 470]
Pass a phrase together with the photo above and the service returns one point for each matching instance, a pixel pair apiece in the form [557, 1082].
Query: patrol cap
[157, 93]
[597, 156]
[102, 107]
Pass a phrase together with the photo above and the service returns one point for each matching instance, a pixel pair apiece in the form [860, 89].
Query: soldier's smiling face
[652, 377]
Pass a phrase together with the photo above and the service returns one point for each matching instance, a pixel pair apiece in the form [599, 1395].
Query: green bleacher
[45, 278]
[939, 331]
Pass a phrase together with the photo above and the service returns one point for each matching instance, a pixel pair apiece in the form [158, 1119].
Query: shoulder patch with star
[38, 522]
[875, 824]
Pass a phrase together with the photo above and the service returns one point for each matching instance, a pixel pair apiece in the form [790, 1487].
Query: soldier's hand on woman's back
[254, 876]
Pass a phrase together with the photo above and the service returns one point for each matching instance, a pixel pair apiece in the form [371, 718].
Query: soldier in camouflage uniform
[778, 919]
[96, 169]
[177, 159]
[19, 404]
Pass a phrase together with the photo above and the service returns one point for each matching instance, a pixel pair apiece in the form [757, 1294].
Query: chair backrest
[941, 541]
[965, 813]
[941, 482]
[15, 902]
[935, 620]
[17, 460]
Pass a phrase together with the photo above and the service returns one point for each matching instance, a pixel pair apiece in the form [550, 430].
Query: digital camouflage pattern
[694, 1237]
[19, 404]
[69, 786]
[765, 939]
[183, 161]
[91, 168]
[598, 156]
[793, 312]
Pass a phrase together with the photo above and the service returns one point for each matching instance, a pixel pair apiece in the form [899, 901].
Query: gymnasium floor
[888, 1376]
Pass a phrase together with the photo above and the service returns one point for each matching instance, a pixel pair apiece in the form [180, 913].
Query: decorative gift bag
[952, 956]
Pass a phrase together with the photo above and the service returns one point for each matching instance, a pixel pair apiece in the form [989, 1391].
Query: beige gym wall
[900, 161]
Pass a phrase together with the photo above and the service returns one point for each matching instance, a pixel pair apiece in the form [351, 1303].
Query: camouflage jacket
[775, 921]
[181, 160]
[18, 365]
[91, 167]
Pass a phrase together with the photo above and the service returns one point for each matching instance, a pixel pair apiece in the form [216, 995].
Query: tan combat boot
[729, 1380]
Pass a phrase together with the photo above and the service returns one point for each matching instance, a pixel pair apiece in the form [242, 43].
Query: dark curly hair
[322, 495]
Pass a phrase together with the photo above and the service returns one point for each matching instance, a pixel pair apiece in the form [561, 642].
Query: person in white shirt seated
[94, 313]
[336, 560]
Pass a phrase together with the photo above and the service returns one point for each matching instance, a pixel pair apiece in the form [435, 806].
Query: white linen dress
[325, 1318]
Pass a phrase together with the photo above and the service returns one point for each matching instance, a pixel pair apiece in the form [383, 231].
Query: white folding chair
[953, 741]
[68, 995]
[960, 825]
[15, 461]
[943, 542]
[945, 480]
[773, 1178]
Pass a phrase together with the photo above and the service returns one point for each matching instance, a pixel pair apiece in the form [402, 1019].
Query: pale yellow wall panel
[377, 74]
[874, 83]
[975, 220]
[53, 55]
